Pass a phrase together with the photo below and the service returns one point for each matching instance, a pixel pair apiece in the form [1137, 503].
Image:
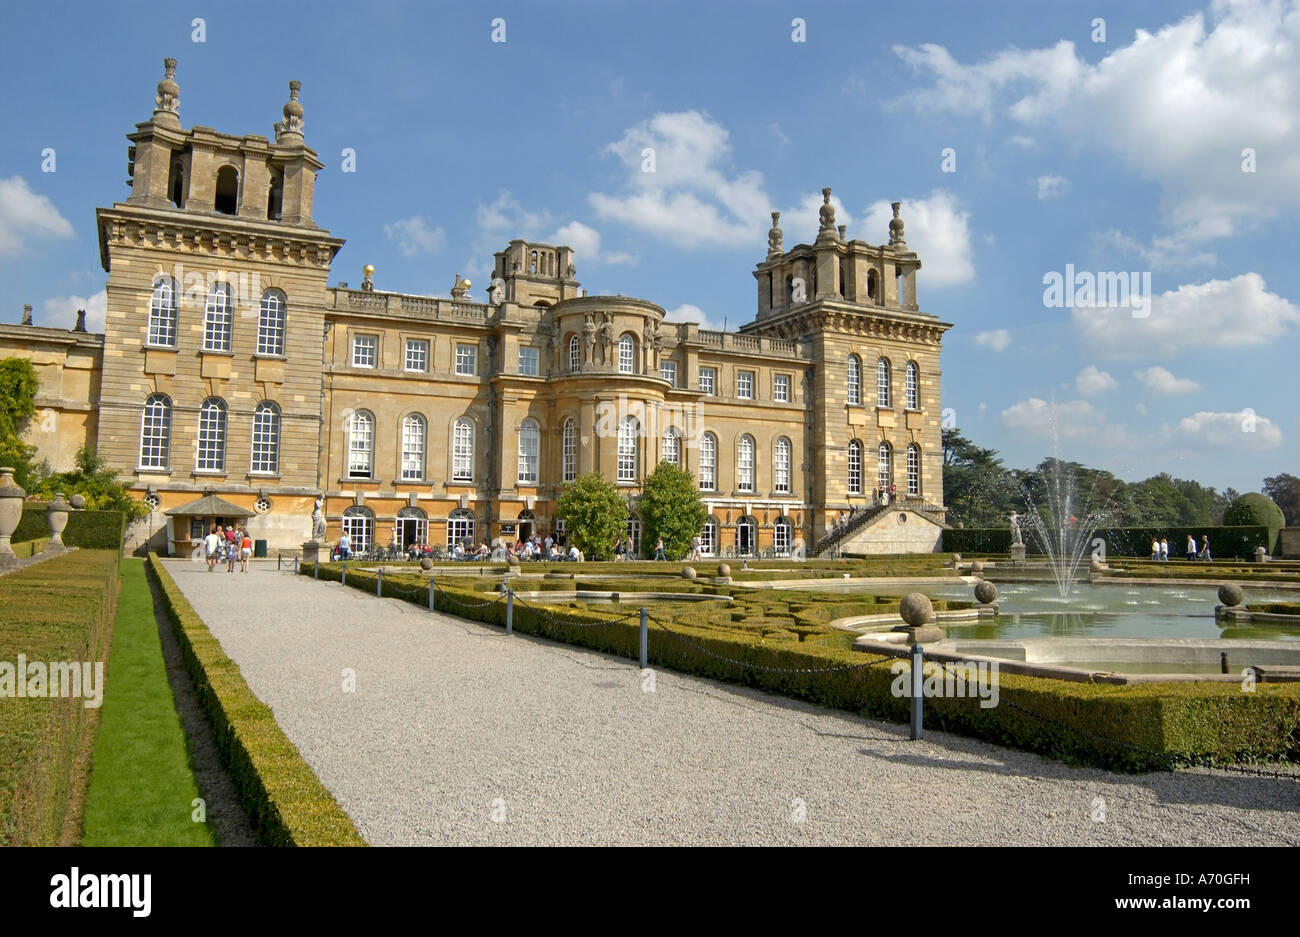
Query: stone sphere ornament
[985, 592]
[724, 570]
[77, 501]
[689, 572]
[1230, 594]
[512, 561]
[426, 563]
[977, 567]
[916, 609]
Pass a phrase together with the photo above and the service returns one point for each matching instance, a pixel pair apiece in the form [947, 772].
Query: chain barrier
[765, 668]
[463, 604]
[573, 622]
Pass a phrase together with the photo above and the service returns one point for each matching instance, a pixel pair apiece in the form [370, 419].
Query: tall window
[575, 355]
[884, 466]
[708, 462]
[709, 538]
[633, 530]
[628, 437]
[708, 380]
[266, 439]
[467, 360]
[460, 527]
[162, 313]
[745, 385]
[212, 436]
[855, 380]
[217, 318]
[365, 351]
[882, 383]
[155, 432]
[855, 468]
[359, 525]
[413, 447]
[361, 444]
[914, 470]
[781, 536]
[913, 385]
[270, 324]
[417, 354]
[530, 444]
[781, 466]
[569, 450]
[626, 354]
[462, 451]
[528, 361]
[672, 450]
[745, 463]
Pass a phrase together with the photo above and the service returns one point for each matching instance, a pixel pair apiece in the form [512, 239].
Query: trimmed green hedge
[1129, 728]
[1276, 608]
[90, 530]
[282, 795]
[60, 609]
[1225, 542]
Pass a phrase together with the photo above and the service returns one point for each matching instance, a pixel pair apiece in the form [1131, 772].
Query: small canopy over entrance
[191, 521]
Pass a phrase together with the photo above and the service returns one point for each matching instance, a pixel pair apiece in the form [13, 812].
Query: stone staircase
[859, 520]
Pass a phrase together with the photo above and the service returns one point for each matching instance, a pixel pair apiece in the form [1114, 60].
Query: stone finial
[168, 101]
[827, 212]
[27, 313]
[367, 274]
[896, 227]
[289, 130]
[774, 235]
[841, 229]
[460, 287]
[81, 321]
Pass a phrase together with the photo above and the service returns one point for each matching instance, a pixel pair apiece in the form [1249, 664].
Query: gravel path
[456, 734]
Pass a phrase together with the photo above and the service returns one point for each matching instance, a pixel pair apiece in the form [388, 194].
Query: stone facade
[230, 365]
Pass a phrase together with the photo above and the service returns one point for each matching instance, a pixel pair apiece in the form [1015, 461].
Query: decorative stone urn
[11, 512]
[56, 515]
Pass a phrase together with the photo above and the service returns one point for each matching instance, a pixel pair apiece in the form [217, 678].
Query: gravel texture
[457, 734]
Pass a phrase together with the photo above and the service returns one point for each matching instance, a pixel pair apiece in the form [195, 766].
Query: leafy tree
[1284, 489]
[671, 508]
[18, 386]
[594, 513]
[977, 489]
[97, 483]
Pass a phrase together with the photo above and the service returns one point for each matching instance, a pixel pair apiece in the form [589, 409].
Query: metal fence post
[644, 634]
[510, 610]
[343, 577]
[379, 583]
[918, 663]
[430, 593]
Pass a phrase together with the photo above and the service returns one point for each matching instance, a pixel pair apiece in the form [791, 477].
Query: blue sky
[1122, 155]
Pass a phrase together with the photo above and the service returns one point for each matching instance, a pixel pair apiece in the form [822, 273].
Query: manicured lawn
[141, 785]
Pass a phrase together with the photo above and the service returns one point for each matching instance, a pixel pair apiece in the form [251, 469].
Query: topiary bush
[1256, 510]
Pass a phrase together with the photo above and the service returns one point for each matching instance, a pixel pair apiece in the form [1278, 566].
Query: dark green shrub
[89, 530]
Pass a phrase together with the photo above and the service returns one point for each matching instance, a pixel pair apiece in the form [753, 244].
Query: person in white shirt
[1191, 548]
[574, 555]
[212, 545]
[345, 545]
[1164, 550]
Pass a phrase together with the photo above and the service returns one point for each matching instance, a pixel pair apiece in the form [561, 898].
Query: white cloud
[996, 339]
[60, 312]
[24, 215]
[414, 236]
[1165, 252]
[585, 242]
[1162, 381]
[689, 312]
[936, 229]
[1021, 141]
[1236, 313]
[1093, 381]
[1051, 186]
[1177, 106]
[1240, 428]
[1074, 419]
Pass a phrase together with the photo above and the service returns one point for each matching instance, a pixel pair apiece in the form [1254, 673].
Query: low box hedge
[285, 800]
[60, 609]
[90, 530]
[1138, 727]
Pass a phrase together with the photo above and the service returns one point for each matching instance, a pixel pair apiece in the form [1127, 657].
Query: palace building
[232, 381]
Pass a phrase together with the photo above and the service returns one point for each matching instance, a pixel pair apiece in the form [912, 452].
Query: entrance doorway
[527, 525]
[412, 528]
[746, 536]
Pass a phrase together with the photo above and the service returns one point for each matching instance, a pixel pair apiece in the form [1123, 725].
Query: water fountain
[1067, 540]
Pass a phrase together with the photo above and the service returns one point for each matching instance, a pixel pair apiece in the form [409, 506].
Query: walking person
[1155, 549]
[659, 549]
[1164, 550]
[1205, 549]
[1191, 549]
[345, 546]
[245, 550]
[232, 552]
[211, 545]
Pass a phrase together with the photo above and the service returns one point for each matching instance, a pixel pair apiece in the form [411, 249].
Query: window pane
[668, 371]
[216, 319]
[266, 439]
[627, 449]
[575, 355]
[212, 436]
[745, 385]
[781, 388]
[569, 469]
[882, 383]
[781, 466]
[155, 433]
[528, 362]
[708, 378]
[467, 360]
[360, 445]
[412, 448]
[855, 468]
[365, 351]
[462, 468]
[417, 354]
[162, 314]
[626, 353]
[745, 464]
[708, 461]
[270, 324]
[529, 448]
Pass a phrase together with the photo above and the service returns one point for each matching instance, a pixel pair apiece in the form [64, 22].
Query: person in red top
[245, 550]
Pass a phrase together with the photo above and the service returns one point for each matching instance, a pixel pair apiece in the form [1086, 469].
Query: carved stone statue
[1016, 540]
[589, 335]
[607, 338]
[318, 522]
[498, 291]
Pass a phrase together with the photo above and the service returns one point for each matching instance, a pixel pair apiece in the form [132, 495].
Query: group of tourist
[1160, 549]
[886, 496]
[232, 544]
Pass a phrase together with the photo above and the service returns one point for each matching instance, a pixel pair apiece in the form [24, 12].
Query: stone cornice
[858, 321]
[39, 334]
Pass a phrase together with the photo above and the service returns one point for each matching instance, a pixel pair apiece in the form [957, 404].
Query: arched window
[672, 449]
[913, 386]
[709, 537]
[746, 536]
[162, 313]
[212, 436]
[462, 451]
[176, 185]
[226, 199]
[275, 195]
[873, 286]
[633, 530]
[575, 355]
[626, 354]
[359, 525]
[412, 527]
[914, 471]
[885, 466]
[266, 439]
[628, 440]
[156, 432]
[782, 535]
[855, 467]
[855, 380]
[532, 262]
[569, 450]
[882, 383]
[460, 528]
[530, 445]
[270, 324]
[413, 447]
[781, 456]
[708, 463]
[361, 444]
[745, 463]
[217, 317]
